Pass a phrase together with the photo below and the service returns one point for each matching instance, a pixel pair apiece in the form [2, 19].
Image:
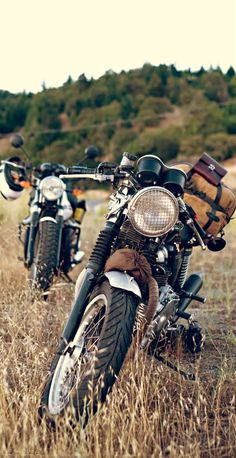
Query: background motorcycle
[51, 233]
[135, 284]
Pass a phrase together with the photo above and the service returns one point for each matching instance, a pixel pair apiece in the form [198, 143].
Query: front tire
[45, 259]
[89, 366]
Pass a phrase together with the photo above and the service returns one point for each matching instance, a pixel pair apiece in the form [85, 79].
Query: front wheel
[91, 362]
[45, 258]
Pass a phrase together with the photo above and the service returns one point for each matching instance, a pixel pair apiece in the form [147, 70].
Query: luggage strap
[214, 204]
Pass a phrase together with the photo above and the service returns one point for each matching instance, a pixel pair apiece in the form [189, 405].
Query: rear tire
[45, 259]
[88, 368]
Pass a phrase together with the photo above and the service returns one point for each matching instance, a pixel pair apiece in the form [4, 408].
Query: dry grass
[152, 411]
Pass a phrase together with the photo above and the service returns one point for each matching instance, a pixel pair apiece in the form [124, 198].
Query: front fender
[122, 280]
[48, 218]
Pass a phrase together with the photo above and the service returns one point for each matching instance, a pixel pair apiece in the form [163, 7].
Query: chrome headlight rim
[138, 195]
[52, 188]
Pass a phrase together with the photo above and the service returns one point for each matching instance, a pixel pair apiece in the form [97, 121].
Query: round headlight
[153, 211]
[52, 188]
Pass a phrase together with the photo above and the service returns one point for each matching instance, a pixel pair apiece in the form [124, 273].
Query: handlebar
[104, 172]
[80, 170]
[93, 176]
[13, 164]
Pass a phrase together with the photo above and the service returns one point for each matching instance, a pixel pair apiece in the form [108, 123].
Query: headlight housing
[153, 211]
[52, 188]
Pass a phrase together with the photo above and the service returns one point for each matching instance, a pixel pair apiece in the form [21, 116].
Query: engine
[156, 255]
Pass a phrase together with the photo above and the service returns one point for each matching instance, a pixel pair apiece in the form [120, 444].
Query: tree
[163, 73]
[192, 147]
[83, 82]
[164, 143]
[232, 86]
[215, 87]
[230, 72]
[207, 118]
[69, 81]
[200, 72]
[44, 111]
[127, 108]
[146, 72]
[13, 110]
[221, 146]
[155, 86]
[174, 72]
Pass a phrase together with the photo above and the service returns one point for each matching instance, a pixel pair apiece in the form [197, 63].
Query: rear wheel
[45, 259]
[88, 368]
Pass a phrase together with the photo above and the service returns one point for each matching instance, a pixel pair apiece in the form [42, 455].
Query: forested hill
[157, 110]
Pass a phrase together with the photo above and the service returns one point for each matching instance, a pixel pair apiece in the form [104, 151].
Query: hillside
[157, 110]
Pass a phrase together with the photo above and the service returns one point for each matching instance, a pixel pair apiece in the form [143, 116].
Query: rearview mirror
[17, 141]
[91, 152]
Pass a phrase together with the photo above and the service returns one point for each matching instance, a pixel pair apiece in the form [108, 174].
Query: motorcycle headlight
[153, 211]
[52, 188]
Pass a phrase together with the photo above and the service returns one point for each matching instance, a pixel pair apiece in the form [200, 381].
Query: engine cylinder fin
[128, 236]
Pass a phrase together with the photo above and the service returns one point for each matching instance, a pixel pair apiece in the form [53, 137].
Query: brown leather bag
[209, 169]
[213, 205]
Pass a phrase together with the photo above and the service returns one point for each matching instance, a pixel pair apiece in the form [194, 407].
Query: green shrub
[221, 145]
[164, 143]
[191, 147]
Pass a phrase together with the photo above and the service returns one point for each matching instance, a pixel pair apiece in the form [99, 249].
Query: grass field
[152, 411]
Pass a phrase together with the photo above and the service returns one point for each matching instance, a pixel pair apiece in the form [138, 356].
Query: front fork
[94, 267]
[31, 239]
[59, 222]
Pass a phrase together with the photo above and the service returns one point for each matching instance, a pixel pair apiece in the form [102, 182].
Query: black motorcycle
[134, 286]
[51, 233]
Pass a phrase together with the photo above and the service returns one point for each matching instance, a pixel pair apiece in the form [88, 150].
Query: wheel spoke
[73, 364]
[96, 325]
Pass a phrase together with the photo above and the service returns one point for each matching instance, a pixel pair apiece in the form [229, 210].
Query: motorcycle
[51, 233]
[135, 284]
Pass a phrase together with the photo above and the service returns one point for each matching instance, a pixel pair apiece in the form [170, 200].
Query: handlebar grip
[80, 170]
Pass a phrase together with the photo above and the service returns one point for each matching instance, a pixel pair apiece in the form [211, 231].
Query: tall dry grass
[152, 411]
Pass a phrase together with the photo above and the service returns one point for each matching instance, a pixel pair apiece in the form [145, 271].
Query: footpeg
[184, 315]
[194, 297]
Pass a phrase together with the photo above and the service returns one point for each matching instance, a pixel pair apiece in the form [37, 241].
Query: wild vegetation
[154, 109]
[152, 411]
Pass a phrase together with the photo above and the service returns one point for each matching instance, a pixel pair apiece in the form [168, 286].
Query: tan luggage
[213, 205]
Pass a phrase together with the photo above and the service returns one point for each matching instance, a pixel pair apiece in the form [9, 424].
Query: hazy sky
[47, 40]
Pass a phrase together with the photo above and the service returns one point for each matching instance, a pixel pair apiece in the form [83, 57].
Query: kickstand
[185, 375]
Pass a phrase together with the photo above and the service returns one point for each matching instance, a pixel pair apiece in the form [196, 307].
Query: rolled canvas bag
[213, 202]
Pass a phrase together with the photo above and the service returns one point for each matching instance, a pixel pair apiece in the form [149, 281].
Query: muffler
[189, 292]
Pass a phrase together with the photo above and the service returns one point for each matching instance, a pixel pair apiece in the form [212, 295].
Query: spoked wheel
[80, 351]
[86, 371]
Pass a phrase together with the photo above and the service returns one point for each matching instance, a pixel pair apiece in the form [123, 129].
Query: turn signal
[77, 192]
[25, 184]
